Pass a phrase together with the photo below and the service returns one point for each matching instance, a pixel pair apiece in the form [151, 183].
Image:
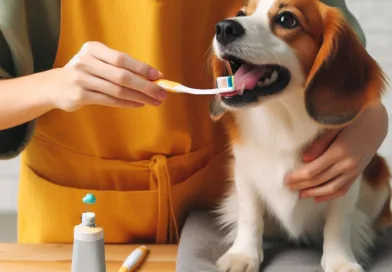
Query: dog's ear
[219, 68]
[344, 78]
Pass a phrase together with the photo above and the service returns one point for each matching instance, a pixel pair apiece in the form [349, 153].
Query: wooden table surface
[56, 258]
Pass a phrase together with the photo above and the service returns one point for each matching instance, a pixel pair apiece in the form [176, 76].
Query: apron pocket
[48, 212]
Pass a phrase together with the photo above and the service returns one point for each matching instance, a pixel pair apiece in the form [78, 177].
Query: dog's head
[277, 46]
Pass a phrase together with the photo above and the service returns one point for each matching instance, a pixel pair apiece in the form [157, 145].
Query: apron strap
[160, 178]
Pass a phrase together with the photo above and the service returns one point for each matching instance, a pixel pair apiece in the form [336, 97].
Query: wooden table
[56, 258]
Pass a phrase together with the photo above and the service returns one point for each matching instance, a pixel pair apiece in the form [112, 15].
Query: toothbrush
[134, 259]
[225, 85]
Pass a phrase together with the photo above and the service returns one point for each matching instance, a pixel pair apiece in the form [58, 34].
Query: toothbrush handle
[175, 87]
[168, 85]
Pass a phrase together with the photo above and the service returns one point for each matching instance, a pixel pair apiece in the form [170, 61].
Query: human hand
[335, 160]
[103, 76]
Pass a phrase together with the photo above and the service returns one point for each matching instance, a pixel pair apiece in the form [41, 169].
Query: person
[78, 103]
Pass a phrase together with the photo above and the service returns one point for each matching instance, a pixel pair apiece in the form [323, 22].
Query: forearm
[376, 116]
[23, 99]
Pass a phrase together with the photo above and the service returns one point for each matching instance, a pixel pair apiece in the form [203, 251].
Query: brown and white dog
[299, 69]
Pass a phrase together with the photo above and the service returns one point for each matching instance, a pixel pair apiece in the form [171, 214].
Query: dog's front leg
[338, 255]
[246, 253]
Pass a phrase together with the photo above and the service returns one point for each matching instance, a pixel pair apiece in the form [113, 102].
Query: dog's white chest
[266, 173]
[271, 148]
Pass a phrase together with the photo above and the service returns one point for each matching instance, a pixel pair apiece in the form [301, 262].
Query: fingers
[119, 76]
[100, 85]
[329, 176]
[326, 175]
[103, 76]
[308, 171]
[334, 188]
[96, 98]
[341, 192]
[320, 145]
[120, 60]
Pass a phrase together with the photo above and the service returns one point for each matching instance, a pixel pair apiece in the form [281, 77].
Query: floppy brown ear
[219, 68]
[344, 77]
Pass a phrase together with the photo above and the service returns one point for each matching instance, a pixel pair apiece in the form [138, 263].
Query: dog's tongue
[246, 77]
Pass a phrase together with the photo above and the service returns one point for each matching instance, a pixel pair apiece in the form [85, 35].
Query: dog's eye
[286, 20]
[241, 13]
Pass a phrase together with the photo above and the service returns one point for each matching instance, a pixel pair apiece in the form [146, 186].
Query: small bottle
[88, 247]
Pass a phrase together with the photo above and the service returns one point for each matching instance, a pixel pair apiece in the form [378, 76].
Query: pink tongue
[248, 75]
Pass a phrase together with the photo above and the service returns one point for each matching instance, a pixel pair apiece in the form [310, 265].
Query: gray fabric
[200, 246]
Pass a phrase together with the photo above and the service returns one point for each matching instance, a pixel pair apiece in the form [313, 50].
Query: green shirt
[29, 33]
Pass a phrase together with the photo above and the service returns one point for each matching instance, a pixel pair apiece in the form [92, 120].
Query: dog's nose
[228, 30]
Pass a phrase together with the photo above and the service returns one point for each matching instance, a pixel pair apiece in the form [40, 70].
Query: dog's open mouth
[252, 81]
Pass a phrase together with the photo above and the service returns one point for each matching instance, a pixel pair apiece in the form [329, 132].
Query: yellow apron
[148, 167]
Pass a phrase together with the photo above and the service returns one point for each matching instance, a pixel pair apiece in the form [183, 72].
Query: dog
[299, 69]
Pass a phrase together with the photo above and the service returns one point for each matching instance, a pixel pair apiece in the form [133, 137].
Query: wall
[374, 18]
[8, 185]
[373, 15]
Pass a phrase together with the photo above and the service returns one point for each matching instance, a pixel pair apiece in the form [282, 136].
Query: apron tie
[160, 180]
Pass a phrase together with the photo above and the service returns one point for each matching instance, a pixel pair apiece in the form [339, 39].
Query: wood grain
[56, 258]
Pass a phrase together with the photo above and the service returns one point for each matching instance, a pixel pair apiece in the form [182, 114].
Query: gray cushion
[201, 245]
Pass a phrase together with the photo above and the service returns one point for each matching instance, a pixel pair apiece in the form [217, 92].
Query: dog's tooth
[241, 91]
[272, 78]
[267, 81]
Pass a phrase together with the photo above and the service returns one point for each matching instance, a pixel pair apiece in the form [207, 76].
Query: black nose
[228, 30]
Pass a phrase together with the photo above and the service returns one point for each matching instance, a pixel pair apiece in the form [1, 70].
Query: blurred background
[373, 15]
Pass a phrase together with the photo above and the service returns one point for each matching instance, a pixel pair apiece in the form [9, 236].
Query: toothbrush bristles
[225, 82]
[230, 81]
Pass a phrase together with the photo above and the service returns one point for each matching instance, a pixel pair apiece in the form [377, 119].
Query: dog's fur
[333, 79]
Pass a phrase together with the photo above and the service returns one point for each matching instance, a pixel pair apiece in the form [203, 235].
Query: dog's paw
[238, 262]
[345, 267]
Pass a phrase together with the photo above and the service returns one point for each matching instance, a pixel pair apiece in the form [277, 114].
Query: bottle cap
[88, 219]
[89, 199]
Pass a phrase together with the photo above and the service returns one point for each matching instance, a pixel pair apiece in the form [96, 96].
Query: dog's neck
[279, 124]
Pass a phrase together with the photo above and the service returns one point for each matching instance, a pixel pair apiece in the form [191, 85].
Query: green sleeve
[12, 140]
[341, 4]
[15, 60]
[6, 64]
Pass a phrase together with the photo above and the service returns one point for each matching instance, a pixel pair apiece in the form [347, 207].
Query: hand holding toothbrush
[103, 76]
[100, 75]
[97, 75]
